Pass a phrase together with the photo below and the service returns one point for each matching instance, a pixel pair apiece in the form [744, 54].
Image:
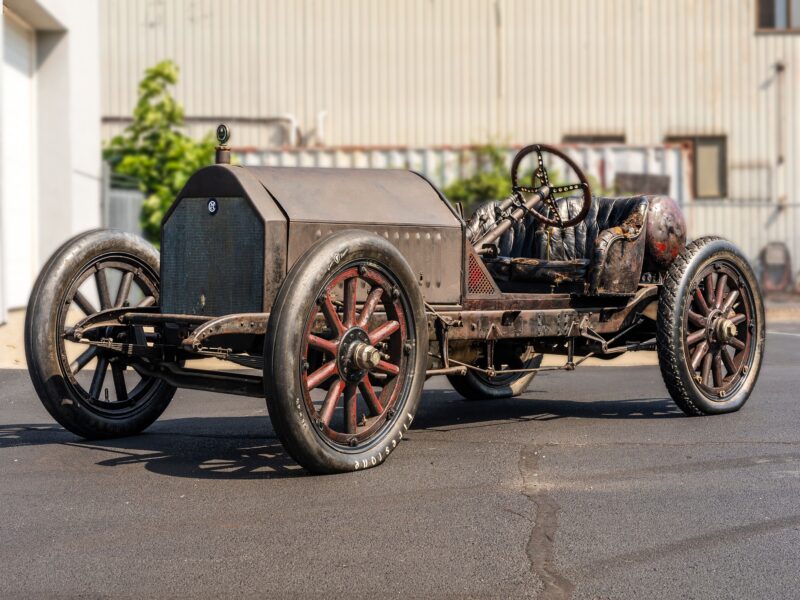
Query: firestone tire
[311, 434]
[61, 396]
[476, 386]
[711, 329]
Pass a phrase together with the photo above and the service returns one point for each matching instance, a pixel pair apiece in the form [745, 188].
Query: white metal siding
[445, 165]
[18, 206]
[422, 73]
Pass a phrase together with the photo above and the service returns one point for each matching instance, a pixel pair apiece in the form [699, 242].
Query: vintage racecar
[335, 293]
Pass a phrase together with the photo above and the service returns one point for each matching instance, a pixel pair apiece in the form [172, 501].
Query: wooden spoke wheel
[710, 328]
[112, 388]
[345, 353]
[355, 345]
[719, 327]
[90, 390]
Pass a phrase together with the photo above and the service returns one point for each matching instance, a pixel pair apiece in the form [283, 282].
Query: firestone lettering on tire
[383, 453]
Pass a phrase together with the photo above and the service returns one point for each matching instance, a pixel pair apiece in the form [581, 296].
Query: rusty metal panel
[212, 262]
[398, 205]
[380, 196]
[434, 254]
[225, 181]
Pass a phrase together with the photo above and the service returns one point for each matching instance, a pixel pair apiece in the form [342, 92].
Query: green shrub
[154, 150]
[490, 182]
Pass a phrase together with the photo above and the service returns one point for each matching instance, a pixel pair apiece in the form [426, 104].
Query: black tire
[479, 386]
[46, 350]
[308, 432]
[710, 353]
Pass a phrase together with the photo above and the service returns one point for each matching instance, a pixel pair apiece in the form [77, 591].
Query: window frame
[593, 138]
[775, 30]
[691, 141]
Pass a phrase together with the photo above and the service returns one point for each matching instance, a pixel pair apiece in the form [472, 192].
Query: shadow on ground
[450, 410]
[247, 448]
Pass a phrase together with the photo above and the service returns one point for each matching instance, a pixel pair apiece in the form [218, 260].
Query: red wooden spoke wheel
[719, 330]
[710, 328]
[345, 353]
[356, 339]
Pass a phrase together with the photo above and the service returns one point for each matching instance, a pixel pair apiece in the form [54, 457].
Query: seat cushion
[533, 269]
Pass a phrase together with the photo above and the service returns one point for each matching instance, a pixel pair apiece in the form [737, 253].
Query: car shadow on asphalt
[452, 412]
[196, 447]
[245, 447]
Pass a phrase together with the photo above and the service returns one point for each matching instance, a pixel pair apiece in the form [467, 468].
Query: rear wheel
[349, 309]
[710, 328]
[476, 385]
[91, 391]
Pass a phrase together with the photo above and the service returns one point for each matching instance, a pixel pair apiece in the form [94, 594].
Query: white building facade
[50, 172]
[721, 77]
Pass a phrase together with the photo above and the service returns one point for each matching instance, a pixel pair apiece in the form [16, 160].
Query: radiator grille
[212, 263]
[477, 280]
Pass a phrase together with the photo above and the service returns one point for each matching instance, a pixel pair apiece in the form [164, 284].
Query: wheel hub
[724, 330]
[356, 356]
[365, 356]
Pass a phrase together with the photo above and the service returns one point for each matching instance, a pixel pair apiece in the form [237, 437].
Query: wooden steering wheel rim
[543, 148]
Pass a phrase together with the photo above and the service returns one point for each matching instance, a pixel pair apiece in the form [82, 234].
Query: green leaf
[154, 148]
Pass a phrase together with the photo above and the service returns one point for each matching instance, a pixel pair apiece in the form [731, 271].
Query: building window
[589, 138]
[778, 15]
[709, 157]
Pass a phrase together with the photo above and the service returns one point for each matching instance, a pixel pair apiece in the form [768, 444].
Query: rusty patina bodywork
[234, 233]
[278, 213]
[666, 232]
[226, 291]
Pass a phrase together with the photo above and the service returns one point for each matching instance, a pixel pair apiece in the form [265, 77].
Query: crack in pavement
[540, 548]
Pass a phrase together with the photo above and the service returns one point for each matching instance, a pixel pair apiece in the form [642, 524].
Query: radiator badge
[213, 206]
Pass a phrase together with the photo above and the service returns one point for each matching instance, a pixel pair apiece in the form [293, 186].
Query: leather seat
[532, 251]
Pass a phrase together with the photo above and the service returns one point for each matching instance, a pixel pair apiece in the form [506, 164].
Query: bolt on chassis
[335, 293]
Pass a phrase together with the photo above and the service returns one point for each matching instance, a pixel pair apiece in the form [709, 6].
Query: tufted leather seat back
[553, 243]
[531, 239]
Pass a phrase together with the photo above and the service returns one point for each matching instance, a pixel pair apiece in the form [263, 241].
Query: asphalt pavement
[592, 485]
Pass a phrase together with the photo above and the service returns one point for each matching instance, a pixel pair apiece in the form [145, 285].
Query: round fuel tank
[666, 233]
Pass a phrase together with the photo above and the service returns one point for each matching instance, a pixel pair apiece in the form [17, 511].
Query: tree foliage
[491, 181]
[153, 148]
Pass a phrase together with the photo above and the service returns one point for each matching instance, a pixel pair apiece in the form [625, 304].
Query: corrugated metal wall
[422, 73]
[445, 165]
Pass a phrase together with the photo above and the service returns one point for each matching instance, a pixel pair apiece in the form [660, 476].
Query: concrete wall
[67, 114]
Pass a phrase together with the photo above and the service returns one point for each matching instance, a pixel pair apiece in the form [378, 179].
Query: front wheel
[348, 310]
[91, 391]
[710, 328]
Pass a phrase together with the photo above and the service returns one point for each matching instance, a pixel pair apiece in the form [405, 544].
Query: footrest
[543, 271]
[549, 271]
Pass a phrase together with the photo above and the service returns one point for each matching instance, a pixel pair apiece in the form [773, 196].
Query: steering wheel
[541, 176]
